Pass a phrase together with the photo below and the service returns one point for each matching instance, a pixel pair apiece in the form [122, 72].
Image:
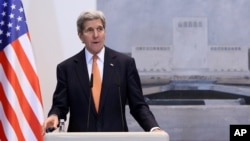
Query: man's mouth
[95, 42]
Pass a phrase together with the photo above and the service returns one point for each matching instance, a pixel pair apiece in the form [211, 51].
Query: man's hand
[50, 124]
[157, 129]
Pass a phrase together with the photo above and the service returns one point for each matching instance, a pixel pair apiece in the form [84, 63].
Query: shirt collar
[90, 55]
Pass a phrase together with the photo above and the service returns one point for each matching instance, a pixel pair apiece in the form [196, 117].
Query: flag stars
[10, 25]
[19, 18]
[3, 13]
[12, 22]
[13, 6]
[21, 10]
[8, 34]
[2, 23]
[11, 15]
[5, 4]
[17, 27]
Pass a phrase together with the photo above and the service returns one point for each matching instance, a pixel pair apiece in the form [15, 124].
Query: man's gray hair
[87, 16]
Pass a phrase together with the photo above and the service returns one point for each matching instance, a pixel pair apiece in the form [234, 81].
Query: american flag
[21, 108]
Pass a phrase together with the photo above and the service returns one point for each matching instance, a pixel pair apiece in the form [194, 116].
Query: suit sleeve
[139, 109]
[60, 101]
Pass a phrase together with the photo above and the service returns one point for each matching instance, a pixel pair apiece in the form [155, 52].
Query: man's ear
[80, 36]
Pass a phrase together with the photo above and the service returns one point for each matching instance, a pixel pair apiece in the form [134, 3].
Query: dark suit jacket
[73, 92]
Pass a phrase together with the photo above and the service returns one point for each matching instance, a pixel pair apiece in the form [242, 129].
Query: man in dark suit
[120, 85]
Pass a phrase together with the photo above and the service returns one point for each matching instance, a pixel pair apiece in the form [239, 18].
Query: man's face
[93, 35]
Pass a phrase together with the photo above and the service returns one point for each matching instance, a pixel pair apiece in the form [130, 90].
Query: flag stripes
[29, 73]
[11, 118]
[25, 91]
[16, 99]
[2, 136]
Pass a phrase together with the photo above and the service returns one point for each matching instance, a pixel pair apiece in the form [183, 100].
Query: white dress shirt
[100, 61]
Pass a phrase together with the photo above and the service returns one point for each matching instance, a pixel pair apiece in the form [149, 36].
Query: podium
[107, 136]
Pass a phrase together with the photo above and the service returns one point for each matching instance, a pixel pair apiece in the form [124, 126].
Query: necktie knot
[95, 58]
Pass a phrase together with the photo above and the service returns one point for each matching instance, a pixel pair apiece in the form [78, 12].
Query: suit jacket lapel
[109, 71]
[82, 72]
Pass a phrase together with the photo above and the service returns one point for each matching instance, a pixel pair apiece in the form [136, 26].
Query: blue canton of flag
[12, 21]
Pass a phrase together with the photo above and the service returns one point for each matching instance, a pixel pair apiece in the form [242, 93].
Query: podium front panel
[107, 136]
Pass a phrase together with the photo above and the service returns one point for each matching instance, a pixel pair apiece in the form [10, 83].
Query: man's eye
[100, 29]
[89, 30]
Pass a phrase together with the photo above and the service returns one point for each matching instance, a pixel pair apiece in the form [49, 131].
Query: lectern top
[107, 136]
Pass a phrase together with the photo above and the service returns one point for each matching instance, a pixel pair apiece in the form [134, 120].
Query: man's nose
[96, 33]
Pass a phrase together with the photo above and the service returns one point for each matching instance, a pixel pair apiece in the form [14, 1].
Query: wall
[52, 27]
[53, 30]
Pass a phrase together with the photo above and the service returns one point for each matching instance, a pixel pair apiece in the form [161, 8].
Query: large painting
[183, 44]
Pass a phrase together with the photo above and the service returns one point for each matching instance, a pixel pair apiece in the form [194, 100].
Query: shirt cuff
[154, 128]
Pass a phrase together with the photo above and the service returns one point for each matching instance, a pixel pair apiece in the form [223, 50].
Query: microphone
[91, 81]
[50, 129]
[120, 97]
[118, 83]
[90, 86]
